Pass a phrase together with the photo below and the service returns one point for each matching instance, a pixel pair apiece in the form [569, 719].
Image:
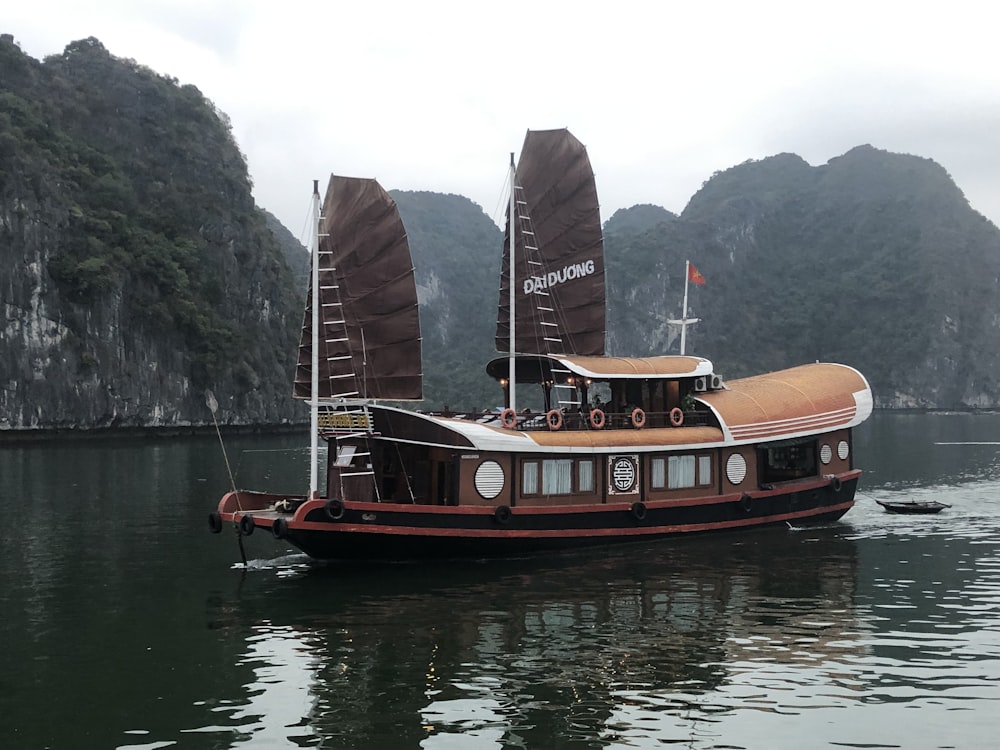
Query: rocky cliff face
[102, 364]
[137, 272]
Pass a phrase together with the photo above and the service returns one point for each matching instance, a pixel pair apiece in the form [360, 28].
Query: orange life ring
[638, 418]
[676, 417]
[508, 419]
[597, 419]
[554, 419]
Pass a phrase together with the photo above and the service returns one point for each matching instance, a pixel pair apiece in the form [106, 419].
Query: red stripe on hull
[397, 531]
[668, 530]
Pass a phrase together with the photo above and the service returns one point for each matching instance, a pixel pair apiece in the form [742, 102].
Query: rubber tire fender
[334, 509]
[279, 528]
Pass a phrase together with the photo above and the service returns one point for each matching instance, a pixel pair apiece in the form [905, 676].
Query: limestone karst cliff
[137, 271]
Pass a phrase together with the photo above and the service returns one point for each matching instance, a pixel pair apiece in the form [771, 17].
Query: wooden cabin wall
[442, 479]
[358, 488]
[750, 481]
[663, 493]
[513, 468]
[837, 465]
[452, 476]
[466, 467]
[358, 484]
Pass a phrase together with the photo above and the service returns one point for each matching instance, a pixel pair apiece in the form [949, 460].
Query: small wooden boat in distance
[912, 506]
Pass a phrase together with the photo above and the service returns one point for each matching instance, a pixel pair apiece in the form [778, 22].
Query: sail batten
[367, 300]
[558, 251]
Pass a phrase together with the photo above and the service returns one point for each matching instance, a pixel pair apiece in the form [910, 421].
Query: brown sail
[559, 251]
[369, 343]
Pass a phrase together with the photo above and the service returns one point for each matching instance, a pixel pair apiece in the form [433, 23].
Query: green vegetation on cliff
[456, 258]
[149, 217]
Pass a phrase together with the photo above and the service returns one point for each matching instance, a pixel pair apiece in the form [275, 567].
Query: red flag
[694, 275]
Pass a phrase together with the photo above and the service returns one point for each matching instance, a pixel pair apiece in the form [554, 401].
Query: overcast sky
[434, 95]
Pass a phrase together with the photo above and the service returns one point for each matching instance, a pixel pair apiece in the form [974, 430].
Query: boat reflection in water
[648, 641]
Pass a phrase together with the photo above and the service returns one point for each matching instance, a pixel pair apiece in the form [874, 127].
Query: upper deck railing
[527, 420]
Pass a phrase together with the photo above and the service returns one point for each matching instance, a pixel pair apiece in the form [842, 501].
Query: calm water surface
[125, 624]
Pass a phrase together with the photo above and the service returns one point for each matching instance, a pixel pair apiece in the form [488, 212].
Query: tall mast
[511, 377]
[314, 388]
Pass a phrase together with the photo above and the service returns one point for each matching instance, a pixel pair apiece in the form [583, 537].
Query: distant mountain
[875, 260]
[136, 272]
[456, 256]
[637, 219]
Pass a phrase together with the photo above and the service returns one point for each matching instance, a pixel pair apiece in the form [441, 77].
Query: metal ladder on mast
[545, 313]
[350, 418]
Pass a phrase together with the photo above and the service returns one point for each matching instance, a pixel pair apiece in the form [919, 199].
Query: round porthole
[736, 468]
[826, 453]
[843, 450]
[489, 479]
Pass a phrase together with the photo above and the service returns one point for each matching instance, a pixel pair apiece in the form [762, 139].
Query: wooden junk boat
[671, 449]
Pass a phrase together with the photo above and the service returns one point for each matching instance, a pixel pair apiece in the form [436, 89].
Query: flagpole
[684, 319]
[684, 311]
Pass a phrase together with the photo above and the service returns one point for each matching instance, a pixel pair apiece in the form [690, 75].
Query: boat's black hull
[399, 532]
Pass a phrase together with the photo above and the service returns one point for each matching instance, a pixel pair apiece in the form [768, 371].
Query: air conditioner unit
[715, 383]
[700, 385]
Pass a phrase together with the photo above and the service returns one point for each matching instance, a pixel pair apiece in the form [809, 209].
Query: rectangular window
[788, 460]
[585, 476]
[557, 476]
[529, 478]
[658, 473]
[704, 470]
[680, 472]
